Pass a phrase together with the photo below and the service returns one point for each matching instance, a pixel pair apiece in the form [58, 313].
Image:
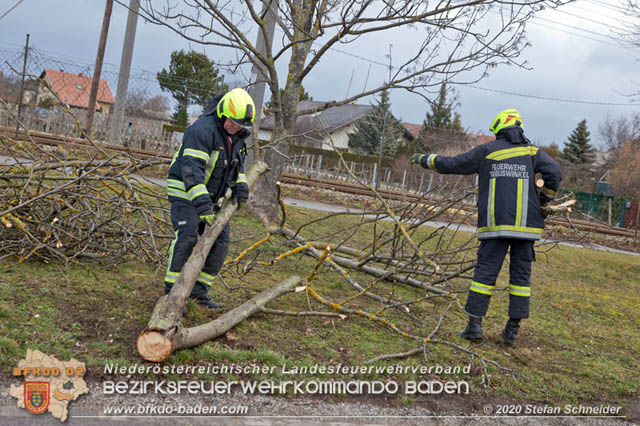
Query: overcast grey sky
[571, 54]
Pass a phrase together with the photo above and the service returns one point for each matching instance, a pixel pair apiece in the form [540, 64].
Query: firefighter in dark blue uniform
[509, 214]
[209, 161]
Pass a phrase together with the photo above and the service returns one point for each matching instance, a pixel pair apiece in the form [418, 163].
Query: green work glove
[207, 217]
[416, 158]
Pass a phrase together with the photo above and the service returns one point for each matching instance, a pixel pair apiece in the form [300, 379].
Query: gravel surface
[274, 410]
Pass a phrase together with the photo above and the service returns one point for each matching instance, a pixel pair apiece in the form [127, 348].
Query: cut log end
[154, 346]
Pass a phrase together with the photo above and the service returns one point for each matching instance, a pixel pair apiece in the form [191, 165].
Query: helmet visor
[244, 122]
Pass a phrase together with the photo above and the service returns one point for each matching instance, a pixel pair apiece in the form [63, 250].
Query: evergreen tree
[442, 122]
[577, 149]
[192, 79]
[367, 137]
[180, 116]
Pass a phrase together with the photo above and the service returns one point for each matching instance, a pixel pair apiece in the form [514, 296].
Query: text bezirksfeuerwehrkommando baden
[270, 387]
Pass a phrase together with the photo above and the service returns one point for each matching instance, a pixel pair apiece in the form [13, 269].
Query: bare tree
[631, 34]
[9, 87]
[140, 104]
[625, 169]
[458, 43]
[615, 131]
[157, 104]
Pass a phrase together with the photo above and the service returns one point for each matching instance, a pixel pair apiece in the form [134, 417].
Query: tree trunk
[157, 344]
[196, 335]
[265, 205]
[168, 310]
[265, 202]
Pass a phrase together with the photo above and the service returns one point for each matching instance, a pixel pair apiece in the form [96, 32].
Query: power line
[545, 98]
[555, 28]
[608, 6]
[608, 25]
[619, 16]
[147, 75]
[14, 6]
[575, 28]
[583, 36]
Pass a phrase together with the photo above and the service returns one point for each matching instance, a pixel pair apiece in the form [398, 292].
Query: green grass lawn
[581, 343]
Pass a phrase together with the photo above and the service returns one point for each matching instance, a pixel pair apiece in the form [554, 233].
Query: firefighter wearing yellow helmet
[506, 118]
[509, 214]
[209, 161]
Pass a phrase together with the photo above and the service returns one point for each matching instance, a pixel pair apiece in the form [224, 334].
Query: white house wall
[264, 135]
[340, 138]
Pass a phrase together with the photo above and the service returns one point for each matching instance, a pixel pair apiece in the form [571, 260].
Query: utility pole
[123, 76]
[257, 76]
[24, 71]
[384, 128]
[93, 94]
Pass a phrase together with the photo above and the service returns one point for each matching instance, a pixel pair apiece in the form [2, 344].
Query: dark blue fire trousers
[188, 227]
[491, 254]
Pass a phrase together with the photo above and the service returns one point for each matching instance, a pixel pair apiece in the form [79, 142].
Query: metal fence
[147, 109]
[403, 178]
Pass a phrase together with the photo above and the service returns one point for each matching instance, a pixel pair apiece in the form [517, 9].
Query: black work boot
[510, 331]
[473, 330]
[200, 293]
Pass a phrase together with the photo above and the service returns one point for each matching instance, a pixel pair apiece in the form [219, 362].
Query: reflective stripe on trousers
[491, 254]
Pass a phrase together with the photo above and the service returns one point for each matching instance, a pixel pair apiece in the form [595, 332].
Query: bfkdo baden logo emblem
[49, 384]
[37, 396]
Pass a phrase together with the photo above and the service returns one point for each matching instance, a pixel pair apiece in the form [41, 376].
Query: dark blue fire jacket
[508, 203]
[207, 163]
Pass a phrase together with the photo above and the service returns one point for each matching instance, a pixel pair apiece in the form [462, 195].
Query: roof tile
[73, 89]
[332, 119]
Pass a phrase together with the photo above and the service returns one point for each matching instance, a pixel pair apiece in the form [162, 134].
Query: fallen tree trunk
[167, 313]
[196, 335]
[157, 345]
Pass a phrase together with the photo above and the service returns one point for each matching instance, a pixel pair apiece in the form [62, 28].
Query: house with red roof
[73, 90]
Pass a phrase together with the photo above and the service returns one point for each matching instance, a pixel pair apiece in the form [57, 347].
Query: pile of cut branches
[97, 207]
